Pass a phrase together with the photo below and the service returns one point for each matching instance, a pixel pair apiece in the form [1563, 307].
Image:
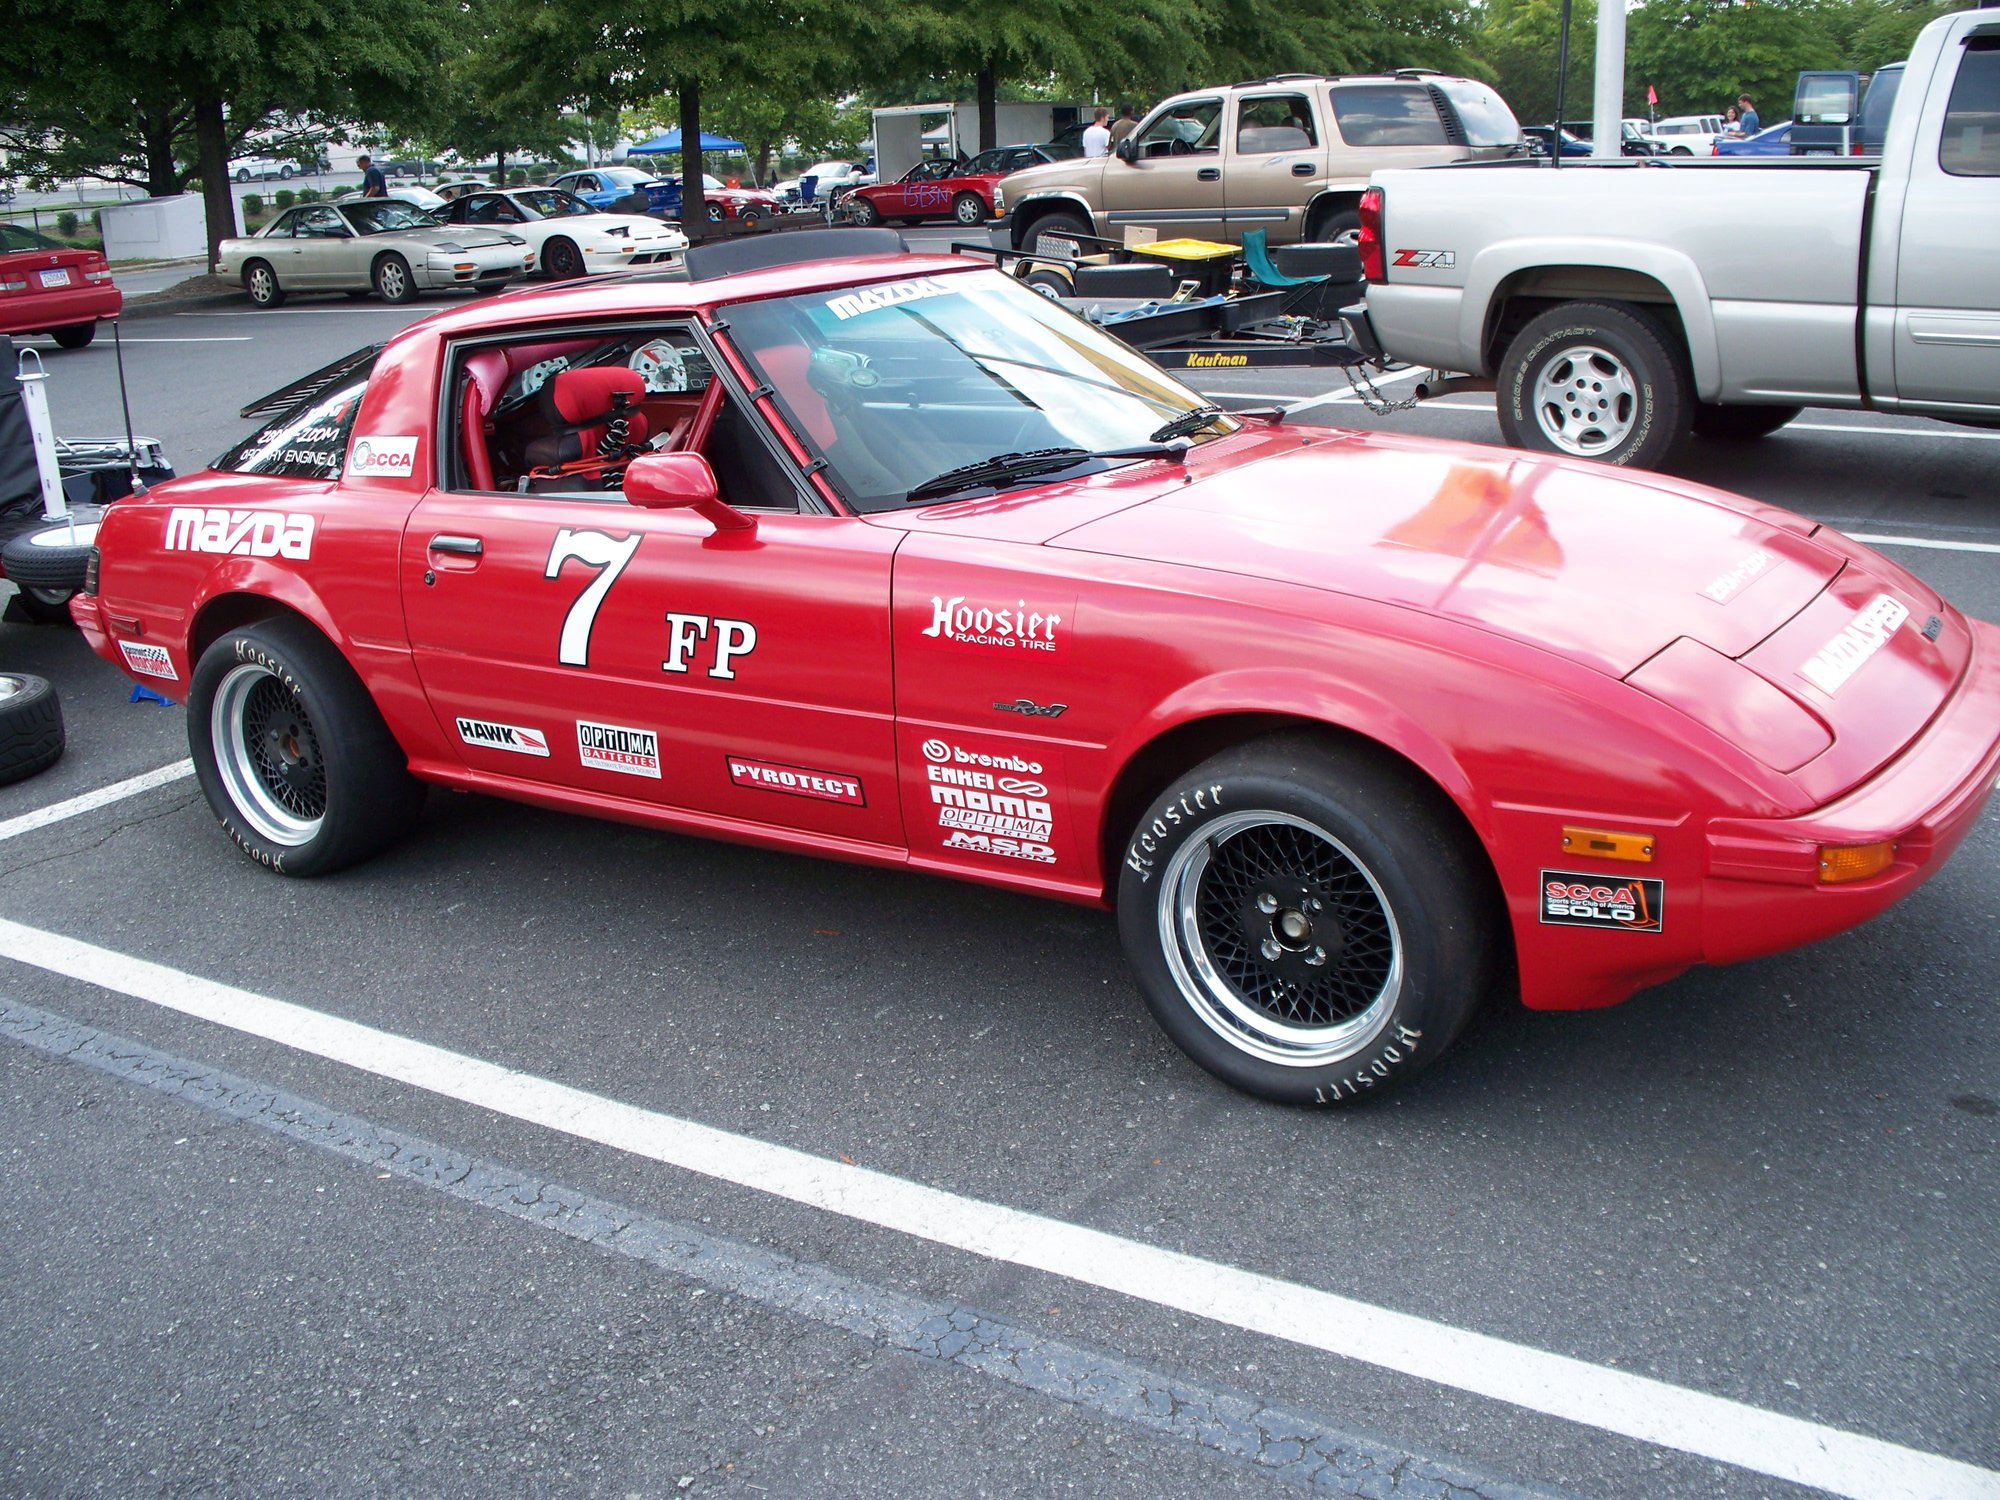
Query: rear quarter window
[307, 442]
[1970, 146]
[1388, 114]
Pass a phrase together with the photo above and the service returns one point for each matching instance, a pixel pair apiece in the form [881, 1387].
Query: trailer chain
[1370, 395]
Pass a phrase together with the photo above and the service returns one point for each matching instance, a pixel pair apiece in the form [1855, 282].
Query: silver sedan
[392, 249]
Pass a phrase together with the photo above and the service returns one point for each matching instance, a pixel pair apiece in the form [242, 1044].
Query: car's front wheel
[393, 279]
[561, 259]
[260, 285]
[862, 212]
[1309, 921]
[1596, 380]
[968, 209]
[291, 752]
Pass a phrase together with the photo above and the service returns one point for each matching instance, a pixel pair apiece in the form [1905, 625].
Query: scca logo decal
[383, 455]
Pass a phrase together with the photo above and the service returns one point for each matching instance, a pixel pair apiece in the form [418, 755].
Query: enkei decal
[982, 625]
[1426, 260]
[1145, 847]
[150, 661]
[733, 638]
[990, 804]
[1756, 565]
[1571, 898]
[796, 781]
[1405, 1043]
[489, 735]
[244, 533]
[1867, 633]
[393, 456]
[869, 298]
[614, 747]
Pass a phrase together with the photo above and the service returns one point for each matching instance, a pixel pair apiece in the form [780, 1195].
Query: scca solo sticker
[1572, 898]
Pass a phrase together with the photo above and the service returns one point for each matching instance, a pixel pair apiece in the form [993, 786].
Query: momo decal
[1867, 633]
[796, 781]
[1185, 808]
[492, 736]
[1426, 260]
[149, 660]
[1010, 805]
[613, 747]
[889, 294]
[1732, 583]
[242, 533]
[984, 625]
[1570, 898]
[393, 456]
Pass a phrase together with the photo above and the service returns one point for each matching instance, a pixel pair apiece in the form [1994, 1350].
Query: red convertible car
[889, 559]
[967, 192]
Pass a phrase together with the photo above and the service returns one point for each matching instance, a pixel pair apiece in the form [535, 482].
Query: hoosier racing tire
[292, 754]
[31, 726]
[1308, 920]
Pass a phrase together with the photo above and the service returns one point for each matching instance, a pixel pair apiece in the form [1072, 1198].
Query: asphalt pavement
[543, 1156]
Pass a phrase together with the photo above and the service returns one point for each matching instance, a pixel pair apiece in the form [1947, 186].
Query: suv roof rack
[707, 262]
[1419, 73]
[1251, 83]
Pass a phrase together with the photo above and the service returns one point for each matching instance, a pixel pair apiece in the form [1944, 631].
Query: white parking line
[1916, 432]
[1651, 1411]
[1875, 540]
[219, 338]
[104, 796]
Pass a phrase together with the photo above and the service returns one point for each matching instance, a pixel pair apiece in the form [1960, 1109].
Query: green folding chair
[1257, 257]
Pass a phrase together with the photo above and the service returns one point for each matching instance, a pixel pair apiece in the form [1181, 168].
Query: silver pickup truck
[1618, 307]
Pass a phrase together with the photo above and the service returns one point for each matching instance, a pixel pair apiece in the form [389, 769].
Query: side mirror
[1125, 150]
[675, 481]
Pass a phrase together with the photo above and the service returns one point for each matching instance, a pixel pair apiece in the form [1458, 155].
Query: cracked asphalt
[235, 1269]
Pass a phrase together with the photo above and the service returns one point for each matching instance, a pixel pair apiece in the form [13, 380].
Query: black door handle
[1302, 169]
[1208, 174]
[459, 546]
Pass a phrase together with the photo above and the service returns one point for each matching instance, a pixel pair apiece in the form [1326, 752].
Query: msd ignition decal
[1426, 260]
[1144, 852]
[796, 781]
[1016, 627]
[488, 735]
[151, 661]
[869, 298]
[990, 804]
[242, 533]
[1577, 899]
[393, 457]
[1867, 633]
[613, 747]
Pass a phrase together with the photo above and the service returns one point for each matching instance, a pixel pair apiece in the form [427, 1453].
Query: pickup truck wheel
[291, 753]
[1740, 424]
[1057, 227]
[1595, 380]
[1342, 228]
[1308, 923]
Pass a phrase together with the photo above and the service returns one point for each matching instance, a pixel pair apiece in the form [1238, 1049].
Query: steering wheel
[661, 366]
[1179, 147]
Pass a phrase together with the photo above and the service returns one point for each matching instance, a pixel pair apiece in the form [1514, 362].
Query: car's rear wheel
[75, 336]
[715, 213]
[969, 209]
[393, 280]
[242, 174]
[45, 606]
[1740, 424]
[31, 726]
[291, 752]
[260, 284]
[1596, 380]
[285, 173]
[861, 211]
[751, 217]
[1310, 922]
[561, 259]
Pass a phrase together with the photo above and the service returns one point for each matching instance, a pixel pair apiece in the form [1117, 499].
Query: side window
[307, 442]
[1274, 122]
[321, 223]
[1971, 143]
[284, 229]
[1387, 114]
[1186, 128]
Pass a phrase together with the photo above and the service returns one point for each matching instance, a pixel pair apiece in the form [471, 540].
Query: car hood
[1085, 173]
[1600, 566]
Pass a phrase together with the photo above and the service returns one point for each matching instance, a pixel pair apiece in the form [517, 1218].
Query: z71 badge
[1427, 260]
[1574, 899]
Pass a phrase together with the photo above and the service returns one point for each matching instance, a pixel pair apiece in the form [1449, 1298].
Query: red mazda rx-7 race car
[890, 559]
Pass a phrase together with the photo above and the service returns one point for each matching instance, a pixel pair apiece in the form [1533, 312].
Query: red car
[889, 559]
[48, 287]
[968, 192]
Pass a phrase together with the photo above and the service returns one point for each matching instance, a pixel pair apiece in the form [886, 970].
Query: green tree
[1700, 54]
[1518, 41]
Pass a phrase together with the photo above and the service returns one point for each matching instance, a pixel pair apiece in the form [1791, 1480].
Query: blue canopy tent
[662, 145]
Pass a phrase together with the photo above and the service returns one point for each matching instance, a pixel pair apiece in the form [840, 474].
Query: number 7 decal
[608, 555]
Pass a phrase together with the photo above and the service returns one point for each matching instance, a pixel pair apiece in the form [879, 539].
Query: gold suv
[1289, 154]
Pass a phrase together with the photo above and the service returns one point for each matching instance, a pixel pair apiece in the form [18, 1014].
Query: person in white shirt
[1097, 139]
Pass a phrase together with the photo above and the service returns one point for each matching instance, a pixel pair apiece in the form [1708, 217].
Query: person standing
[373, 183]
[1097, 139]
[1123, 126]
[1747, 121]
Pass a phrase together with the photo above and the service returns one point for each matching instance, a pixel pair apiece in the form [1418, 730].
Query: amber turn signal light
[1602, 843]
[1839, 862]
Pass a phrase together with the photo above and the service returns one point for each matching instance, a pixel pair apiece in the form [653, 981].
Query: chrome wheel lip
[236, 764]
[1246, 1027]
[1586, 401]
[11, 686]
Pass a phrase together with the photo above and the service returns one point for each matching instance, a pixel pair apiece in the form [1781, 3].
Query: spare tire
[52, 556]
[31, 726]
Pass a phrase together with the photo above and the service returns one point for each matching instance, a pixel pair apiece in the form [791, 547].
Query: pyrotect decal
[796, 781]
[1730, 584]
[1572, 898]
[395, 457]
[990, 804]
[889, 294]
[983, 625]
[515, 737]
[613, 747]
[246, 533]
[733, 638]
[153, 661]
[1867, 633]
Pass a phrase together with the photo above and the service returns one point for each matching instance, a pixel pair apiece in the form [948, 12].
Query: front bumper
[489, 265]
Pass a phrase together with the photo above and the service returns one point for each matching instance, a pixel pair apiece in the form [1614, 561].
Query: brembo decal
[990, 804]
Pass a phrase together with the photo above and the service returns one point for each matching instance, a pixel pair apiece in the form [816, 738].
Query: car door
[1275, 153]
[1173, 182]
[281, 246]
[1947, 336]
[611, 653]
[327, 249]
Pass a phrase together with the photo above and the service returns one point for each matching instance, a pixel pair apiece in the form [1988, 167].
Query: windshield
[622, 176]
[552, 203]
[896, 382]
[385, 215]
